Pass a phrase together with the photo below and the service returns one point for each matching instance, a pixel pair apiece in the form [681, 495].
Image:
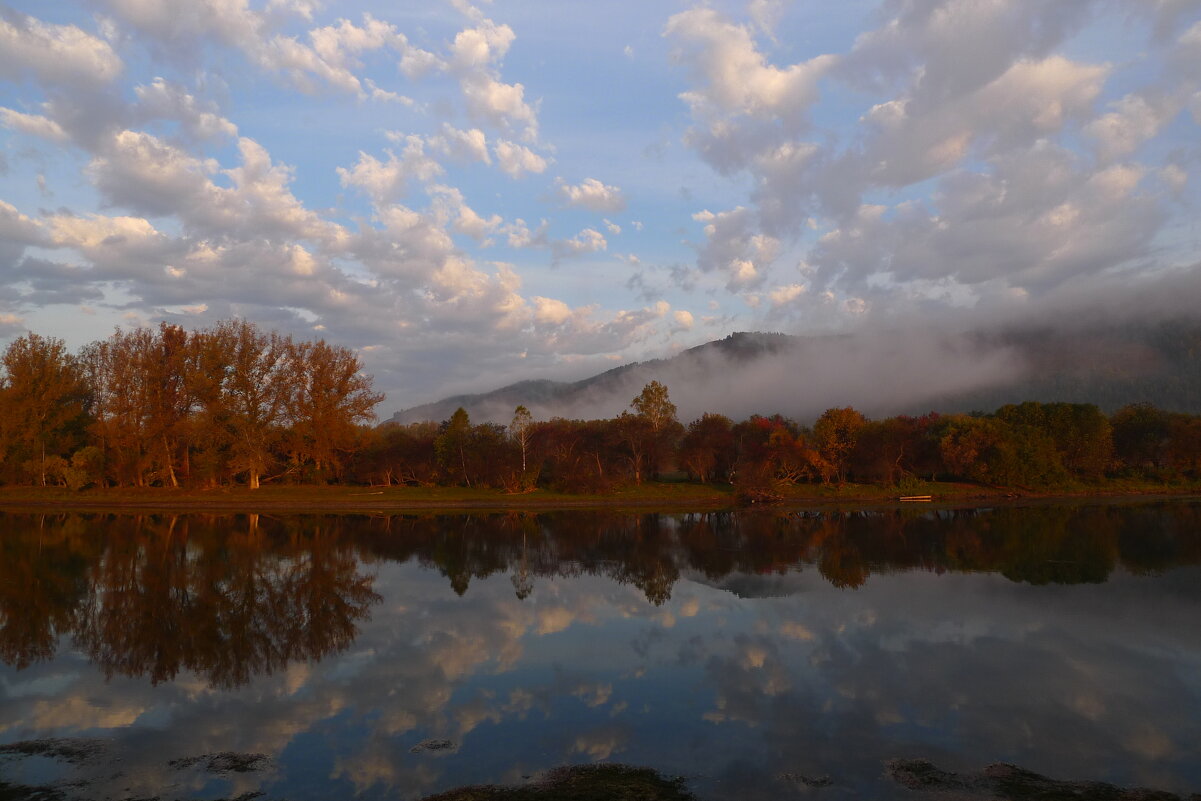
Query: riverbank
[652, 496]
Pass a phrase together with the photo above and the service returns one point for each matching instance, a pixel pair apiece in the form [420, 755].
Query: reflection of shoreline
[231, 597]
[667, 497]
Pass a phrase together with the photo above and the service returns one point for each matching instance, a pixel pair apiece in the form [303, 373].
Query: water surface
[758, 655]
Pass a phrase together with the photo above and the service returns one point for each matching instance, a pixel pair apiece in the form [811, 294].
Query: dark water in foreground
[746, 652]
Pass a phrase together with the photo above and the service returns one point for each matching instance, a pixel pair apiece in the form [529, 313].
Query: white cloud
[16, 228]
[55, 54]
[591, 194]
[516, 160]
[1134, 120]
[733, 247]
[164, 100]
[550, 311]
[783, 295]
[463, 146]
[385, 181]
[453, 210]
[474, 57]
[32, 124]
[588, 240]
[735, 76]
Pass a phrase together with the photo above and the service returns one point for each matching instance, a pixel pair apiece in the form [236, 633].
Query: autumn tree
[328, 395]
[44, 403]
[454, 437]
[398, 454]
[835, 434]
[1140, 436]
[242, 394]
[142, 411]
[707, 449]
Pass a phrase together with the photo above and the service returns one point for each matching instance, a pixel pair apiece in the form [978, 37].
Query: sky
[468, 195]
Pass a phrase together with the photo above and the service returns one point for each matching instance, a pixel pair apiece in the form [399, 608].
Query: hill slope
[881, 374]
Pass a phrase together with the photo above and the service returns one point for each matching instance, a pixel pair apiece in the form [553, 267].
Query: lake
[758, 655]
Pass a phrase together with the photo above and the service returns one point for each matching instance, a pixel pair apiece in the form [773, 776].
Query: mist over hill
[881, 373]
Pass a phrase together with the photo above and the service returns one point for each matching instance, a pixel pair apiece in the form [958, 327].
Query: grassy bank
[666, 496]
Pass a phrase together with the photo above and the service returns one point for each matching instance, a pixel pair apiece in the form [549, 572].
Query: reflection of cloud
[600, 744]
[554, 619]
[80, 713]
[1150, 742]
[594, 694]
[973, 666]
[795, 631]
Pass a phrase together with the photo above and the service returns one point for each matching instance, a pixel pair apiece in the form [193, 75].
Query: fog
[898, 361]
[878, 373]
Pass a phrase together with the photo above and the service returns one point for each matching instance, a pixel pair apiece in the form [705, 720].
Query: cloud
[588, 240]
[385, 181]
[591, 194]
[734, 77]
[1039, 219]
[516, 160]
[463, 146]
[734, 248]
[551, 311]
[54, 54]
[164, 100]
[1134, 120]
[783, 295]
[474, 57]
[32, 124]
[453, 210]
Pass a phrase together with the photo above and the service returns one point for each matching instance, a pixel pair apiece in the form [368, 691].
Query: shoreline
[666, 497]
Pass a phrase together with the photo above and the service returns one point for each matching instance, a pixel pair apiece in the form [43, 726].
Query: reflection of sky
[1082, 682]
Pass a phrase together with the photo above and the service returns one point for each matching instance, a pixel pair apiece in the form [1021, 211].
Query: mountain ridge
[880, 374]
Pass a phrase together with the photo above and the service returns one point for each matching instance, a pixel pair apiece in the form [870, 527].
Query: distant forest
[234, 405]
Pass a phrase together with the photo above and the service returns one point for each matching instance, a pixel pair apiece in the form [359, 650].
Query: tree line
[236, 405]
[1027, 445]
[169, 407]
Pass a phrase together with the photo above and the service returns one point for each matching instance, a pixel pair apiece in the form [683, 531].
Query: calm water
[742, 651]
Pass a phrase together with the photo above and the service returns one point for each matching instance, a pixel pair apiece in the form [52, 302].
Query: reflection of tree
[1042, 544]
[230, 598]
[226, 604]
[153, 596]
[42, 578]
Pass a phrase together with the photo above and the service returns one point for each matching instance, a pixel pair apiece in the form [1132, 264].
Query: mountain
[571, 399]
[880, 373]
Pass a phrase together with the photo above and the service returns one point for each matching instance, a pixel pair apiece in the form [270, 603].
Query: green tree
[655, 406]
[651, 433]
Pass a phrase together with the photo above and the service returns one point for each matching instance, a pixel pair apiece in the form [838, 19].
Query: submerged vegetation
[235, 406]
